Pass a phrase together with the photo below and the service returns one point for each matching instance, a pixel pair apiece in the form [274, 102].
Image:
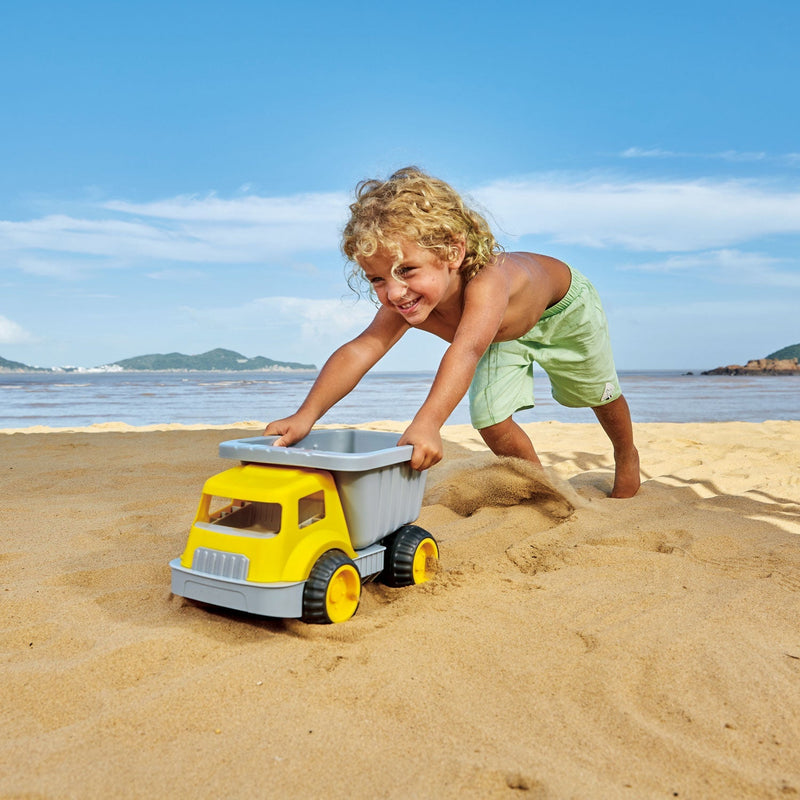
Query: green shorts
[572, 345]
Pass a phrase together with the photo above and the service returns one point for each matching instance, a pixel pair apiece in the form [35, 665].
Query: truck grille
[221, 564]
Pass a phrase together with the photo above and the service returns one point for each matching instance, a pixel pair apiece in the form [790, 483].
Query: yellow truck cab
[293, 532]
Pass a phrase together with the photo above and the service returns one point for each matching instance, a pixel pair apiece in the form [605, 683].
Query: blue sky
[175, 174]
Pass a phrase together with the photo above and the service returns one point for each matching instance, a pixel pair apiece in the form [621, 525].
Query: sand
[570, 646]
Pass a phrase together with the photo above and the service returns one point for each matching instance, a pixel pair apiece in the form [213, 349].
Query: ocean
[218, 398]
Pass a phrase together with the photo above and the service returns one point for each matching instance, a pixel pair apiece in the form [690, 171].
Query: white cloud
[51, 266]
[726, 155]
[728, 266]
[665, 216]
[178, 275]
[185, 229]
[322, 321]
[650, 152]
[292, 210]
[737, 155]
[12, 333]
[701, 261]
[603, 212]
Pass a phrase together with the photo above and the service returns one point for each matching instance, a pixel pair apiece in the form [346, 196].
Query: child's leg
[506, 438]
[615, 417]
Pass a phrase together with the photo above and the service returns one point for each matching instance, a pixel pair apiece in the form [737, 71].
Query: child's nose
[395, 290]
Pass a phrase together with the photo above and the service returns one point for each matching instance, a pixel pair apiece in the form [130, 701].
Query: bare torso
[532, 283]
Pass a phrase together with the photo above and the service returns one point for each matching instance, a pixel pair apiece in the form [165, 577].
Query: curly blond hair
[417, 207]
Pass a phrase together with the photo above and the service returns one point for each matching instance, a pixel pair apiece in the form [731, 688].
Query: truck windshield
[245, 515]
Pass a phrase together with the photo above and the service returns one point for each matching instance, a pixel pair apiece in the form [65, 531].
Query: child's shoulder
[536, 273]
[524, 256]
[535, 264]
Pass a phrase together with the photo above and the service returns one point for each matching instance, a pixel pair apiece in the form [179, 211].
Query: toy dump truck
[293, 532]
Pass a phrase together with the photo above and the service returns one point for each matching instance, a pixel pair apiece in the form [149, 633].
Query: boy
[434, 264]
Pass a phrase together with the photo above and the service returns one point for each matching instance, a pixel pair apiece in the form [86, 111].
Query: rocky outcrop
[760, 366]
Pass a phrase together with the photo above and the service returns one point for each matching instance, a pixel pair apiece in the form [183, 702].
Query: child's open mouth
[406, 308]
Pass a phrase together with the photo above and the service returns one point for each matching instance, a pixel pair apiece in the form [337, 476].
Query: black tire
[408, 552]
[333, 589]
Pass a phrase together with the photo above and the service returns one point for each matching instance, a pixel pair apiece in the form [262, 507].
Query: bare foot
[626, 477]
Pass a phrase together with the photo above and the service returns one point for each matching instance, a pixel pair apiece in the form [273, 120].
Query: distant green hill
[213, 360]
[792, 351]
[17, 366]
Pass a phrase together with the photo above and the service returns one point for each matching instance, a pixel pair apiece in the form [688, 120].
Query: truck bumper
[267, 599]
[279, 599]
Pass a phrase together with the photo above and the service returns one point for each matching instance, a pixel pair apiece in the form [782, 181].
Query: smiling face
[416, 285]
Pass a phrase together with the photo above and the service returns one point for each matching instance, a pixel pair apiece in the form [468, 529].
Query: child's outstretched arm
[486, 299]
[339, 376]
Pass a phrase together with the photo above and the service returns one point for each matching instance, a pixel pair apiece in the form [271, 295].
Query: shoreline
[92, 371]
[392, 425]
[124, 427]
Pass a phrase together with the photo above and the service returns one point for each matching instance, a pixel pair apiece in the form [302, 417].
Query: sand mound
[484, 481]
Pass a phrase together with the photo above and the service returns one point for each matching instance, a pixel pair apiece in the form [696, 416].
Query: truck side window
[311, 508]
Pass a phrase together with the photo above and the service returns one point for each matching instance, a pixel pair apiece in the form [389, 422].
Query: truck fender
[310, 548]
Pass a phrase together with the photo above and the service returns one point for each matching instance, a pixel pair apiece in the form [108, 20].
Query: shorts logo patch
[608, 392]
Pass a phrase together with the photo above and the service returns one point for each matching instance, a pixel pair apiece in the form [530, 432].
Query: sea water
[218, 398]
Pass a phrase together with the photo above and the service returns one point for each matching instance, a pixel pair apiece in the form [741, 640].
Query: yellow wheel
[333, 589]
[411, 556]
[425, 558]
[344, 593]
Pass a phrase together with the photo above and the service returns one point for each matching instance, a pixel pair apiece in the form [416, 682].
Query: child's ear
[457, 251]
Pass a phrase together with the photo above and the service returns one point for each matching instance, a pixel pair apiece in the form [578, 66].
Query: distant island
[792, 351]
[17, 366]
[218, 360]
[781, 362]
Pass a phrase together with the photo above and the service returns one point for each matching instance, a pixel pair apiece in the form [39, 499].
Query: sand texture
[570, 646]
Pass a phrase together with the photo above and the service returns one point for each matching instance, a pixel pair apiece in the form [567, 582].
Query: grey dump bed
[378, 489]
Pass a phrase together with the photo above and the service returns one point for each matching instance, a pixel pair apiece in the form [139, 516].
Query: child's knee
[496, 432]
[506, 438]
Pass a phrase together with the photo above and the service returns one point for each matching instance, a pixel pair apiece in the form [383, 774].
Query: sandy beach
[570, 646]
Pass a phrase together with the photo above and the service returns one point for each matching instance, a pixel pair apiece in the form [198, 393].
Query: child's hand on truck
[290, 429]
